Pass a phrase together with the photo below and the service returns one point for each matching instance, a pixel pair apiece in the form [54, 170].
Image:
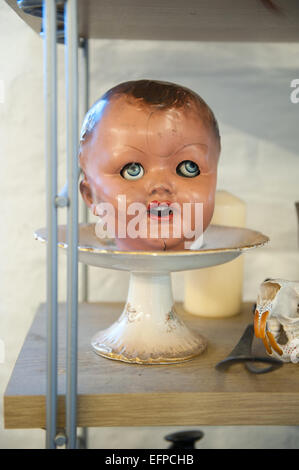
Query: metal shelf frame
[58, 26]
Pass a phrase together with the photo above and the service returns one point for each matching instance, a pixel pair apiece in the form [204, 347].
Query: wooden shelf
[112, 393]
[189, 20]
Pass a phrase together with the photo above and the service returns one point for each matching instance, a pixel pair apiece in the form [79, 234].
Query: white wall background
[247, 86]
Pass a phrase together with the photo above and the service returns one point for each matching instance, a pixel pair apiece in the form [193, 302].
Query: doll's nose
[159, 183]
[160, 188]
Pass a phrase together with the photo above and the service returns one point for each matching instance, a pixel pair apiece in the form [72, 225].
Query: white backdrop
[247, 86]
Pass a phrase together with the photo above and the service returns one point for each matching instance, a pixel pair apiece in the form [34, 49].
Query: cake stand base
[149, 330]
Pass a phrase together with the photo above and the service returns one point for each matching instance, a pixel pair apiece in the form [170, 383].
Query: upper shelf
[188, 20]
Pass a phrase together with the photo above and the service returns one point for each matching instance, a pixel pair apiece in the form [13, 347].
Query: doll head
[148, 153]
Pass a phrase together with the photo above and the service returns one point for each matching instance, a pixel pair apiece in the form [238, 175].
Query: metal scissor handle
[242, 354]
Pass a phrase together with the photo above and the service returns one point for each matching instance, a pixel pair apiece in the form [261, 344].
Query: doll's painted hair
[153, 93]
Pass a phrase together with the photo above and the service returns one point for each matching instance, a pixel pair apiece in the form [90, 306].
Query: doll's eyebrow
[134, 148]
[205, 148]
[179, 150]
[195, 143]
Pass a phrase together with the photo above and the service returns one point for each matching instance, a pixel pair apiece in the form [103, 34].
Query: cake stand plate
[149, 330]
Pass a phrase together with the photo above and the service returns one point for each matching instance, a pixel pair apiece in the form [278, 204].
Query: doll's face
[151, 156]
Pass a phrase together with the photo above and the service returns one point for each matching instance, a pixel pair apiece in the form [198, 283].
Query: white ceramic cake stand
[149, 330]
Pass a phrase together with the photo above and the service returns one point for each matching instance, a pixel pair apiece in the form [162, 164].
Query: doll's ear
[86, 192]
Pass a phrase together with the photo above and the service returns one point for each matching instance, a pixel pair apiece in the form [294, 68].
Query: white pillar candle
[217, 291]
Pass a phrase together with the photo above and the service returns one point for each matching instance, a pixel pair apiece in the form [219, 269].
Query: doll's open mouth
[159, 210]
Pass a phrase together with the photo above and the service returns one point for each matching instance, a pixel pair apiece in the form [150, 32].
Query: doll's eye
[132, 171]
[188, 169]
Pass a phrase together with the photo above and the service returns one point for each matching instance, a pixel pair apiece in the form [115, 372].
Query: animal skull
[276, 319]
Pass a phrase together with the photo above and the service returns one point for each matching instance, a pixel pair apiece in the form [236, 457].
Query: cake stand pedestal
[149, 331]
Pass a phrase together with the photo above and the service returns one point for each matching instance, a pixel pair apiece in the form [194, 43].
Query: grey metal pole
[50, 90]
[83, 440]
[85, 77]
[71, 49]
